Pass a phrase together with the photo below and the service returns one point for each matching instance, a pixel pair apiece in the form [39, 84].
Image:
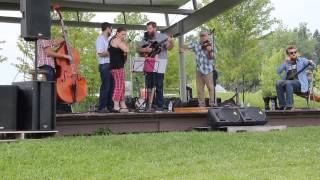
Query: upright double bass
[71, 86]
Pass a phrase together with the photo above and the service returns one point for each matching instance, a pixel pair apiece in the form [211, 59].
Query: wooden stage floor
[88, 123]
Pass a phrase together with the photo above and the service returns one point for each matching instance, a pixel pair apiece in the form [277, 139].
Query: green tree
[26, 63]
[316, 37]
[83, 39]
[305, 43]
[2, 58]
[282, 37]
[240, 52]
[317, 80]
[269, 76]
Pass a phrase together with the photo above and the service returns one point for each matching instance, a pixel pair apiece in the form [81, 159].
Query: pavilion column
[195, 4]
[182, 71]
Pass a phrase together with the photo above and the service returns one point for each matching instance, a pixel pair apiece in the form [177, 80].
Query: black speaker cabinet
[253, 116]
[8, 107]
[226, 116]
[233, 116]
[37, 105]
[35, 21]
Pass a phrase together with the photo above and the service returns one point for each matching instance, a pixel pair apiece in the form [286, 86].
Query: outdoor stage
[88, 123]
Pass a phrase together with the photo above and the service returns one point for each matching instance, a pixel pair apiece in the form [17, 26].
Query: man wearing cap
[205, 56]
[107, 82]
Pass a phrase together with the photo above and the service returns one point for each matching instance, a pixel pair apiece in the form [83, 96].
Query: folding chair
[309, 96]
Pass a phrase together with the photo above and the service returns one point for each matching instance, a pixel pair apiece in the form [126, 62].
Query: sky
[291, 12]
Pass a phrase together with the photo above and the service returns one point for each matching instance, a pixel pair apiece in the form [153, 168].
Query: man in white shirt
[107, 82]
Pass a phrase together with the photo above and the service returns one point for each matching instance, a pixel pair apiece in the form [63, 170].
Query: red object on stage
[143, 93]
[149, 65]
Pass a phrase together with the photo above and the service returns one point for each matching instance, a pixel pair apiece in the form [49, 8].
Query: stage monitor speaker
[35, 21]
[253, 116]
[37, 105]
[8, 107]
[233, 116]
[226, 116]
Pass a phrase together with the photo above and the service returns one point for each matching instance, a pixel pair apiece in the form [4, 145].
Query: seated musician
[46, 56]
[295, 78]
[205, 56]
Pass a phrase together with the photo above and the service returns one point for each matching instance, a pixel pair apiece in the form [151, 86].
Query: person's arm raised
[170, 43]
[123, 46]
[104, 54]
[281, 68]
[101, 52]
[184, 48]
[311, 63]
[51, 53]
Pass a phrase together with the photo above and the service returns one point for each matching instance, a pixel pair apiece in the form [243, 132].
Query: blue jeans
[51, 76]
[285, 90]
[50, 72]
[107, 87]
[156, 80]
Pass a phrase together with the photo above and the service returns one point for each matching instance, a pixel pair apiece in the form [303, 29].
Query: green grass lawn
[289, 154]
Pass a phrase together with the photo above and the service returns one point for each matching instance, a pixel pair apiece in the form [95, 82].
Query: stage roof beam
[82, 24]
[107, 7]
[201, 16]
[69, 6]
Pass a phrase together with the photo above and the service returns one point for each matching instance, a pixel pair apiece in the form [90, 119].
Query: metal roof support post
[167, 20]
[195, 4]
[124, 17]
[182, 71]
[78, 16]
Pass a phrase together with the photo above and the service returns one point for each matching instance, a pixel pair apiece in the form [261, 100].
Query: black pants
[50, 72]
[156, 80]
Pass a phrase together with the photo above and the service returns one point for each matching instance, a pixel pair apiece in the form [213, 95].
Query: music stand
[154, 65]
[137, 65]
[148, 65]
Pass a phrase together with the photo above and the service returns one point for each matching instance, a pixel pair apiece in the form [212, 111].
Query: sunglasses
[293, 52]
